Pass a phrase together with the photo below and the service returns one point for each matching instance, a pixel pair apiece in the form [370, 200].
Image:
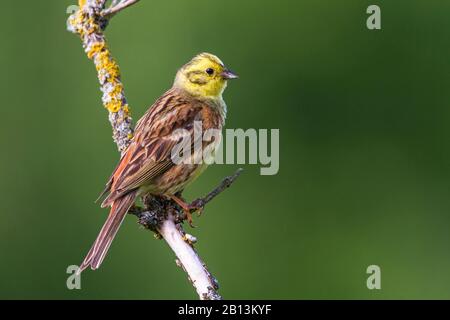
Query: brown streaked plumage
[147, 167]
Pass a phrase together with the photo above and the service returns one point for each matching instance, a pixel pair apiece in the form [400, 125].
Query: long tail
[101, 245]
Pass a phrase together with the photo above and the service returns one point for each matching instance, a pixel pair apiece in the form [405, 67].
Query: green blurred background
[364, 151]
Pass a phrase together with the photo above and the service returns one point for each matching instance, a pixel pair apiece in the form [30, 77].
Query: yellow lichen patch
[106, 62]
[113, 106]
[126, 110]
[117, 89]
[102, 59]
[95, 49]
[76, 21]
[92, 26]
[113, 71]
[108, 65]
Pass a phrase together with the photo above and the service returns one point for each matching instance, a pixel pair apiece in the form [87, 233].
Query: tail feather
[101, 245]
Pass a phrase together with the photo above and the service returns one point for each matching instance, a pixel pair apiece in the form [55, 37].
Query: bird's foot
[198, 206]
[186, 208]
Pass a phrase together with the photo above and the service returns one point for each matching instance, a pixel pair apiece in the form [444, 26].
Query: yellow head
[204, 77]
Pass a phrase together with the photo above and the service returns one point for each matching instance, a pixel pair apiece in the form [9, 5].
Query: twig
[115, 8]
[157, 207]
[226, 183]
[160, 215]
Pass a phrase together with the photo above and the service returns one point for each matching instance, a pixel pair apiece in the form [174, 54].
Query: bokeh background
[364, 152]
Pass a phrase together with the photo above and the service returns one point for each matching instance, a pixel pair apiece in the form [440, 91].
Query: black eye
[210, 71]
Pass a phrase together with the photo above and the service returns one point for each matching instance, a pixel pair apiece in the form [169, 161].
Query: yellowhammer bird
[147, 166]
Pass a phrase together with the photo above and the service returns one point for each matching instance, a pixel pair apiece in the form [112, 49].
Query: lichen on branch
[89, 23]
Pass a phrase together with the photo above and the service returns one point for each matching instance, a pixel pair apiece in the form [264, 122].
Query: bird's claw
[197, 206]
[189, 218]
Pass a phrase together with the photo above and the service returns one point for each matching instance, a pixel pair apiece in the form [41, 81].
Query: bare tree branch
[160, 215]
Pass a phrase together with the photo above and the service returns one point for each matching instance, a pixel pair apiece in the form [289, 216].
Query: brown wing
[149, 154]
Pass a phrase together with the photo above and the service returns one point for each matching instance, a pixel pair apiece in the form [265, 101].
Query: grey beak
[228, 75]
